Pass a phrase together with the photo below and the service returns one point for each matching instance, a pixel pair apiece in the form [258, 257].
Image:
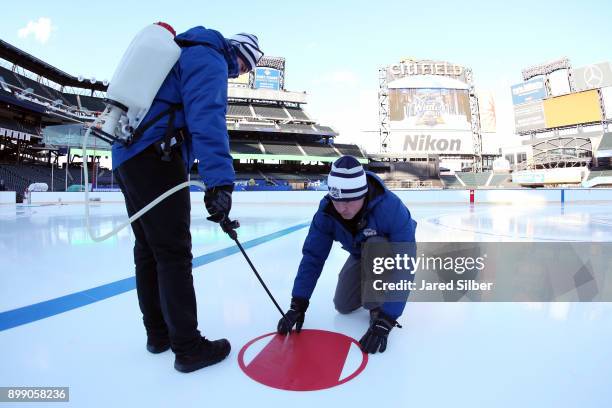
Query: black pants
[162, 252]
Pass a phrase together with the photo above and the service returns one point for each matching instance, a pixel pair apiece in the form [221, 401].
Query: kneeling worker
[358, 209]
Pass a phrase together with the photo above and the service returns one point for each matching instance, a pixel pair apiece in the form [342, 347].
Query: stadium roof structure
[272, 62]
[293, 151]
[39, 67]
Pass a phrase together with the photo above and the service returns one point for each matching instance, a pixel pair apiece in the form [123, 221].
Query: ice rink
[69, 315]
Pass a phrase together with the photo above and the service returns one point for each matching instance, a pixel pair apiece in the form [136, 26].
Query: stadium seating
[256, 127]
[70, 99]
[599, 178]
[92, 104]
[293, 176]
[37, 89]
[9, 77]
[12, 180]
[18, 126]
[348, 149]
[407, 172]
[103, 177]
[248, 176]
[43, 92]
[239, 110]
[282, 148]
[498, 179]
[319, 150]
[326, 130]
[20, 176]
[270, 112]
[298, 128]
[599, 173]
[243, 110]
[252, 127]
[9, 124]
[75, 175]
[473, 180]
[451, 182]
[268, 187]
[4, 86]
[298, 114]
[245, 147]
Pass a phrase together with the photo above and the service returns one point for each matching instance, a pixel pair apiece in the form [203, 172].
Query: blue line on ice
[52, 307]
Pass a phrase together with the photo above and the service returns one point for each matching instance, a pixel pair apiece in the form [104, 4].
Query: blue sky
[333, 49]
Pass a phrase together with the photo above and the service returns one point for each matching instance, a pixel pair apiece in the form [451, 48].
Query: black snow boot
[207, 353]
[158, 345]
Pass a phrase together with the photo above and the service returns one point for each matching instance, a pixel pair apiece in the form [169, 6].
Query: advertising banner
[267, 78]
[433, 142]
[426, 109]
[572, 109]
[529, 116]
[592, 76]
[529, 91]
[488, 117]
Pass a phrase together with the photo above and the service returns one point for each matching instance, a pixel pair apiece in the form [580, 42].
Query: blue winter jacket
[385, 213]
[198, 81]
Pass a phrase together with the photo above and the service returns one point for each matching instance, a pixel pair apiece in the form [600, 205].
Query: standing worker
[185, 122]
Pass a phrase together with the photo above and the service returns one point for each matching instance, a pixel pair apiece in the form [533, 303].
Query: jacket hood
[211, 38]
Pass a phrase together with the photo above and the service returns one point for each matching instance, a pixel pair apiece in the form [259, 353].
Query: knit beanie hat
[247, 48]
[347, 180]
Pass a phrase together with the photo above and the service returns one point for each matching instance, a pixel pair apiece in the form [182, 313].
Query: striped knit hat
[347, 180]
[247, 48]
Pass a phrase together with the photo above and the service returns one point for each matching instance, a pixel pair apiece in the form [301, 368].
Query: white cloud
[41, 30]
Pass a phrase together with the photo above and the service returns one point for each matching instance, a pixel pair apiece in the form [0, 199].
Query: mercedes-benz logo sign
[593, 77]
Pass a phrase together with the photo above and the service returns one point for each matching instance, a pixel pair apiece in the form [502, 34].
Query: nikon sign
[429, 144]
[445, 143]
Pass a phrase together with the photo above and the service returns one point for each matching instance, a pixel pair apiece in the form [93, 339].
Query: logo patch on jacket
[369, 232]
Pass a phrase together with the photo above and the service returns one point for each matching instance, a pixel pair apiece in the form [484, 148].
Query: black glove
[229, 227]
[375, 338]
[218, 202]
[294, 316]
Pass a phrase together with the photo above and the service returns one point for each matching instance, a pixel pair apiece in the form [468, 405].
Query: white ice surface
[447, 354]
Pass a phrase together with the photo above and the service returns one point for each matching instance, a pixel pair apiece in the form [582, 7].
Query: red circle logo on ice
[307, 361]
